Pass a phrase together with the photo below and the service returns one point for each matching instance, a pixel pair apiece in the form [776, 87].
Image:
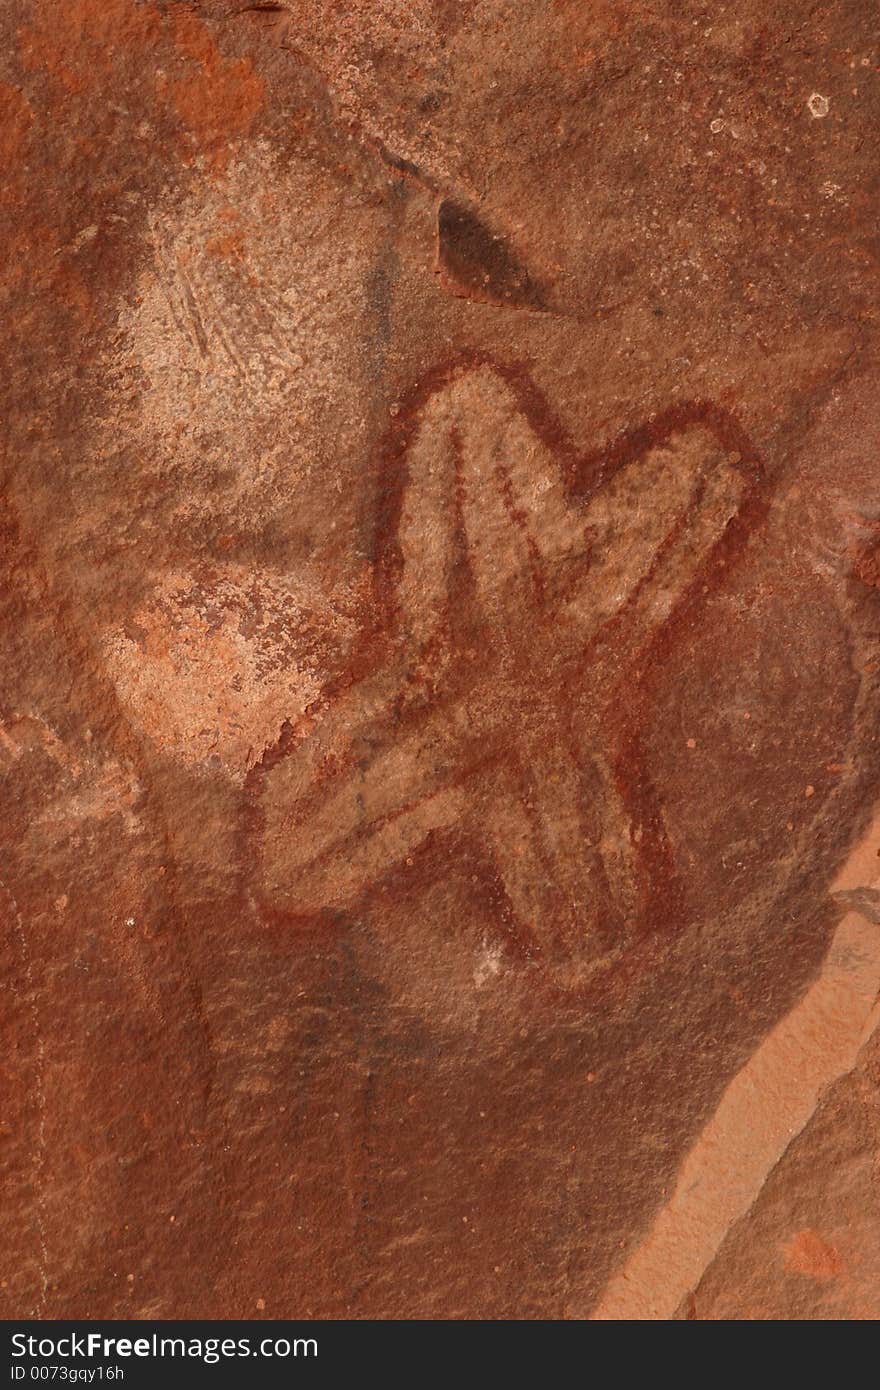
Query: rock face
[440, 686]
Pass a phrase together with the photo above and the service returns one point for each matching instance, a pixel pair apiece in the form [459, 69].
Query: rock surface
[440, 687]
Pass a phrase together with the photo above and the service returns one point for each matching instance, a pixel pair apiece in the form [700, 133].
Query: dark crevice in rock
[478, 263]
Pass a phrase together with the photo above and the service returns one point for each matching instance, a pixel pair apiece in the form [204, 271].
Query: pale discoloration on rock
[211, 669]
[242, 344]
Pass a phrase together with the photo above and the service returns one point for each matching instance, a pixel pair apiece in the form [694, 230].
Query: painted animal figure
[522, 593]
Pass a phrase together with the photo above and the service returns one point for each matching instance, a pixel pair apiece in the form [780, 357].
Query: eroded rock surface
[439, 701]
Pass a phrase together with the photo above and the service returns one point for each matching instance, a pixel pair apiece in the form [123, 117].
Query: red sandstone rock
[439, 695]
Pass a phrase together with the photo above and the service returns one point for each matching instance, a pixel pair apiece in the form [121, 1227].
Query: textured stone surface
[440, 612]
